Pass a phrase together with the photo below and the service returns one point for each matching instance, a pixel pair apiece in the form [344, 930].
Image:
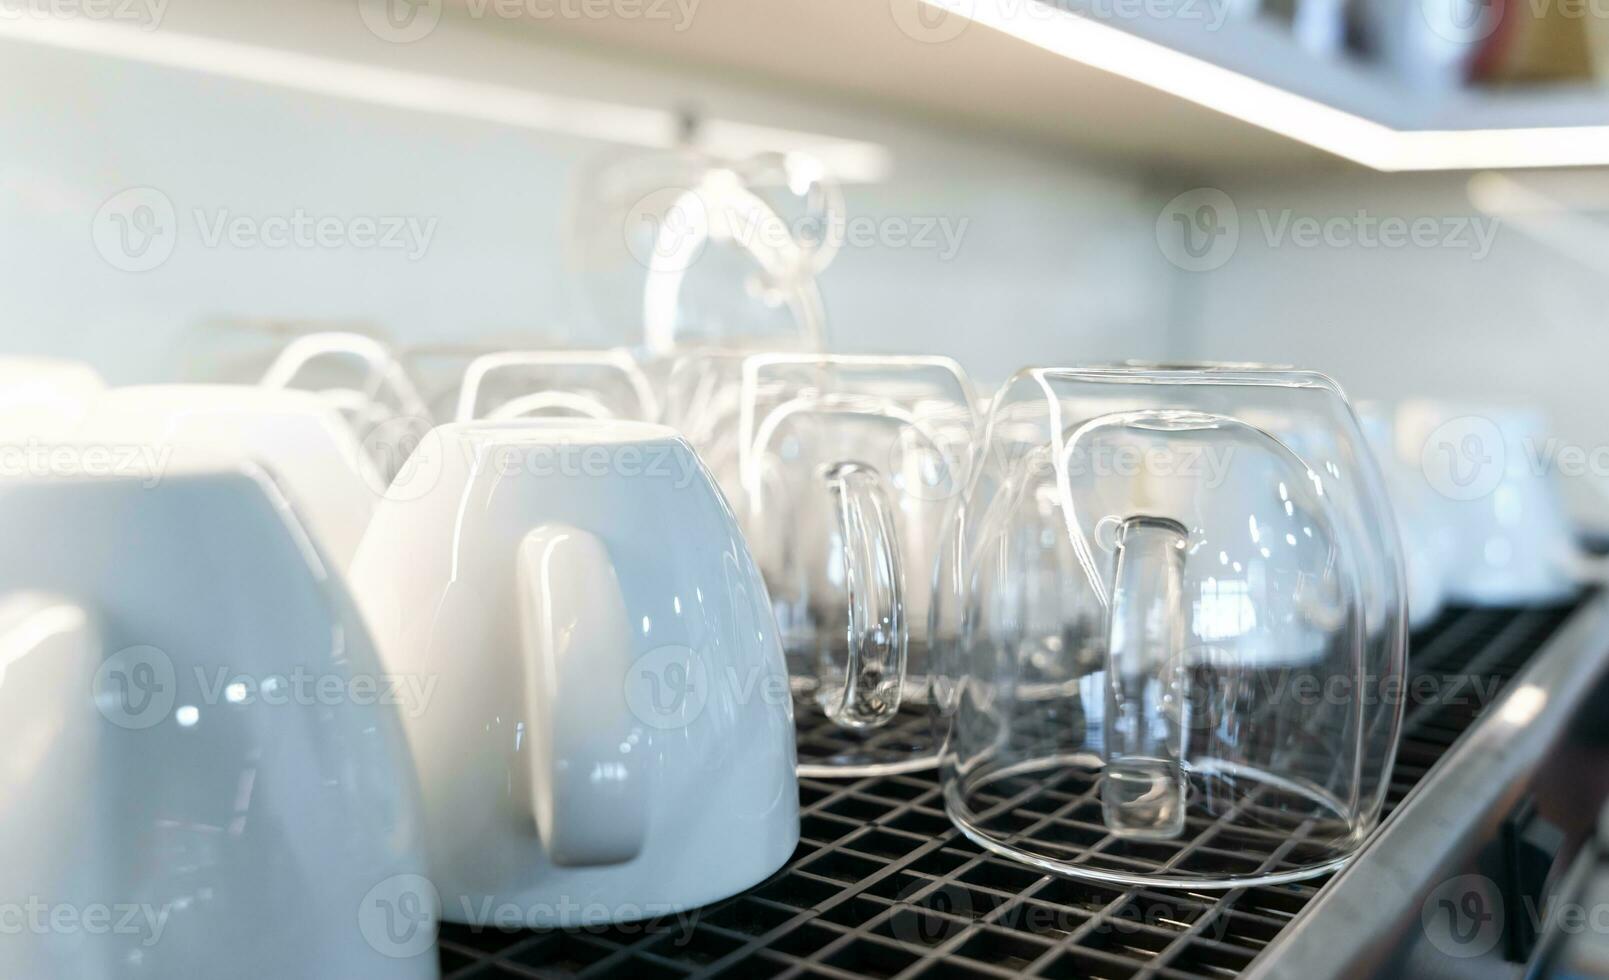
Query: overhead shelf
[1174, 93]
[1172, 90]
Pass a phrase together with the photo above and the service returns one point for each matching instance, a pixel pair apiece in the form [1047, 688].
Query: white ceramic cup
[195, 781]
[1429, 542]
[1513, 542]
[610, 736]
[44, 398]
[306, 445]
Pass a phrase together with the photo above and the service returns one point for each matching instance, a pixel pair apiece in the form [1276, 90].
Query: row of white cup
[1480, 511]
[545, 690]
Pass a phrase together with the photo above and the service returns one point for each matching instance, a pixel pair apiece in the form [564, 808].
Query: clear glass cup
[595, 384]
[362, 379]
[439, 369]
[357, 374]
[704, 250]
[849, 466]
[238, 349]
[1169, 643]
[700, 395]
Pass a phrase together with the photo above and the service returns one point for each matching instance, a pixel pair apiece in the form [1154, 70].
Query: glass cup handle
[1143, 794]
[878, 634]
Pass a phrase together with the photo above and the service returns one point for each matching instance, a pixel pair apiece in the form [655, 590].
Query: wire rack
[882, 885]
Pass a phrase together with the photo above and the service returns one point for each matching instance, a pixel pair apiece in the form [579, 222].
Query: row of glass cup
[1155, 614]
[1159, 606]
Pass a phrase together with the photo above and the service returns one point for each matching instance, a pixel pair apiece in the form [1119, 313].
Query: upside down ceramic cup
[1495, 482]
[610, 736]
[197, 779]
[296, 436]
[43, 398]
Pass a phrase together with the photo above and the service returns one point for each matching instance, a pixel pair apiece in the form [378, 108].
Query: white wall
[1520, 323]
[1057, 260]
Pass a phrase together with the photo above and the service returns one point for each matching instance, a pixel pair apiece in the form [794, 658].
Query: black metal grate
[882, 886]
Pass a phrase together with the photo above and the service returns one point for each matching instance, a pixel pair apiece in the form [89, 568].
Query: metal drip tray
[883, 886]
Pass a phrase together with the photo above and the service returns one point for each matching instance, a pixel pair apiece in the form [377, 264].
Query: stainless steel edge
[1535, 740]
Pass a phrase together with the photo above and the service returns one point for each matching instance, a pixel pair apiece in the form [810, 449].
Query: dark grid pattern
[1268, 832]
[882, 886]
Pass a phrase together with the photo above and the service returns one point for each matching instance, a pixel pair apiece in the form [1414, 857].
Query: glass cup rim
[1223, 374]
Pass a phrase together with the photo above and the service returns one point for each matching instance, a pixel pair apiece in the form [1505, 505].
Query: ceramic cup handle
[875, 674]
[1143, 794]
[589, 791]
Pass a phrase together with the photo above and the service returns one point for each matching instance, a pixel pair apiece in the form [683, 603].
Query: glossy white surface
[1429, 542]
[1512, 540]
[44, 397]
[588, 788]
[163, 762]
[295, 435]
[524, 569]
